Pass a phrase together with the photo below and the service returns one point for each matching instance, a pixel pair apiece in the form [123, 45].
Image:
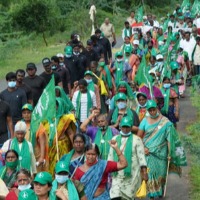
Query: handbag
[102, 86]
[142, 191]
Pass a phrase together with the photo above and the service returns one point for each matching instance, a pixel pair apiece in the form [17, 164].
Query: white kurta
[126, 187]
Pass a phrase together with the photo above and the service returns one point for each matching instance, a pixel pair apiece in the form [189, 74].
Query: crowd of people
[116, 114]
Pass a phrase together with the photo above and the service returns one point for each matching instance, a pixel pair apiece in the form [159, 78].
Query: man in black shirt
[97, 47]
[63, 72]
[5, 122]
[104, 42]
[14, 96]
[48, 72]
[35, 82]
[89, 53]
[20, 74]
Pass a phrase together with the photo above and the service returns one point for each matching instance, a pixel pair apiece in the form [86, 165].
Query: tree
[36, 16]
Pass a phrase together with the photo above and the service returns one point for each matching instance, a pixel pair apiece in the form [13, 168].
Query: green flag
[44, 110]
[184, 5]
[139, 15]
[195, 8]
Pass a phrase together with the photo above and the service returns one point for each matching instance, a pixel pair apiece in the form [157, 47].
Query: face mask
[88, 80]
[143, 105]
[166, 85]
[119, 59]
[53, 67]
[123, 90]
[101, 63]
[76, 53]
[61, 63]
[125, 134]
[154, 117]
[11, 84]
[68, 56]
[12, 165]
[103, 128]
[121, 105]
[24, 187]
[62, 178]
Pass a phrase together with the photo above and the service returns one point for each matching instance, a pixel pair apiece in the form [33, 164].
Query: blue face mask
[121, 105]
[53, 67]
[68, 56]
[62, 178]
[143, 105]
[154, 117]
[88, 80]
[125, 134]
[166, 85]
[11, 84]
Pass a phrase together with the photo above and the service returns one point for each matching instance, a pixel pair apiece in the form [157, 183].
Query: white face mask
[24, 187]
[88, 80]
[143, 105]
[125, 134]
[119, 59]
[76, 53]
[61, 178]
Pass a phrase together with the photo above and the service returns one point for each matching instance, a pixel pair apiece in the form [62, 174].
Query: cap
[27, 106]
[43, 178]
[144, 17]
[61, 166]
[31, 66]
[119, 53]
[174, 65]
[46, 62]
[136, 42]
[60, 55]
[121, 96]
[68, 50]
[89, 42]
[141, 94]
[128, 49]
[27, 194]
[89, 73]
[151, 104]
[181, 18]
[159, 56]
[20, 126]
[126, 121]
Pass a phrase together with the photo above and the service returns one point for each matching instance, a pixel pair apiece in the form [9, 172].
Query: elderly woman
[8, 172]
[94, 172]
[161, 142]
[22, 147]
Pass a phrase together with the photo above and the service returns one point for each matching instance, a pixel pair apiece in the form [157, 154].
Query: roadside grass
[192, 143]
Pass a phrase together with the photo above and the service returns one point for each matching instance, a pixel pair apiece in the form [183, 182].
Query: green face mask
[12, 165]
[101, 64]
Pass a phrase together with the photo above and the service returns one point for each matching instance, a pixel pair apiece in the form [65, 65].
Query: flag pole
[57, 149]
[165, 187]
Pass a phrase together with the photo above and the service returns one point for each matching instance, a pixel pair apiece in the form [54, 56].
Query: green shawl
[119, 72]
[102, 142]
[91, 87]
[72, 192]
[126, 31]
[127, 153]
[166, 94]
[24, 154]
[115, 115]
[78, 104]
[69, 105]
[108, 77]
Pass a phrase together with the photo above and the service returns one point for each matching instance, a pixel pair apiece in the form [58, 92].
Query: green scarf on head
[127, 153]
[115, 115]
[102, 142]
[166, 94]
[129, 91]
[24, 154]
[69, 105]
[67, 157]
[78, 104]
[72, 192]
[91, 87]
[119, 72]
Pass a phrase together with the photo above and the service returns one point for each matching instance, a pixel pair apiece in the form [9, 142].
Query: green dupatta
[127, 153]
[119, 72]
[115, 115]
[126, 31]
[78, 104]
[91, 87]
[102, 142]
[72, 192]
[24, 154]
[166, 94]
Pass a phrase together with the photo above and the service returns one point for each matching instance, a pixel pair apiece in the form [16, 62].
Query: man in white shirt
[131, 19]
[83, 100]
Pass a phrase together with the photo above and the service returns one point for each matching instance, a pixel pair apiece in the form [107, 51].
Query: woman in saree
[75, 157]
[142, 103]
[171, 102]
[8, 172]
[23, 182]
[94, 172]
[160, 143]
[39, 140]
[61, 137]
